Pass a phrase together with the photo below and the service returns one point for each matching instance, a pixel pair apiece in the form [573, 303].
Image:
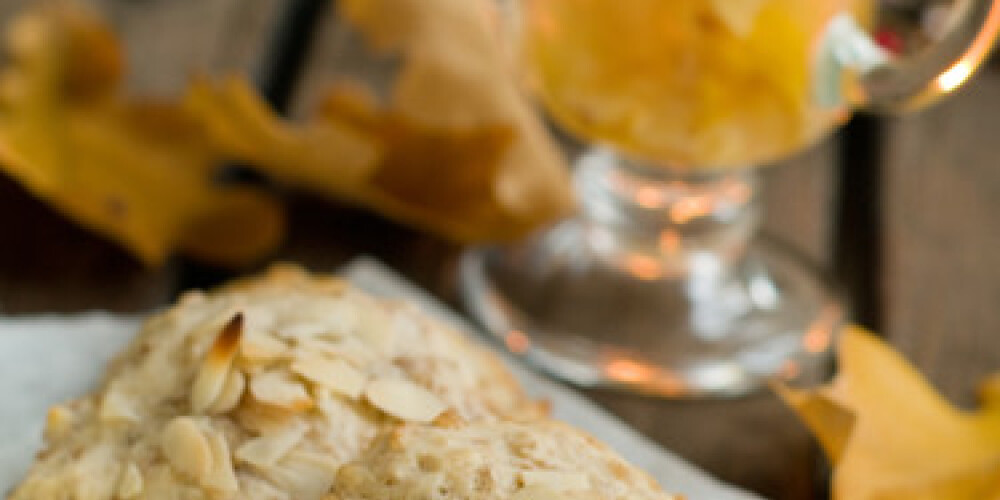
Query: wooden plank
[799, 197]
[47, 263]
[942, 282]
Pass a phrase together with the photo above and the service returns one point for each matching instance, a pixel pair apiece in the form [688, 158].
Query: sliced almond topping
[130, 482]
[304, 475]
[307, 330]
[116, 407]
[404, 400]
[221, 476]
[253, 487]
[186, 448]
[260, 348]
[336, 375]
[556, 480]
[258, 318]
[338, 317]
[58, 421]
[261, 418]
[350, 349]
[231, 393]
[374, 327]
[160, 482]
[216, 366]
[277, 388]
[327, 406]
[267, 450]
[449, 419]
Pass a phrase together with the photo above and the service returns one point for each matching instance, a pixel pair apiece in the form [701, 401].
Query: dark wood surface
[938, 286]
[942, 234]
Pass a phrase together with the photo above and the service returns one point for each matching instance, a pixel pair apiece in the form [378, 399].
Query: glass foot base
[620, 321]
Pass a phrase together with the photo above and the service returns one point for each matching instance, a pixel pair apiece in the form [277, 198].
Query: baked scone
[538, 460]
[261, 391]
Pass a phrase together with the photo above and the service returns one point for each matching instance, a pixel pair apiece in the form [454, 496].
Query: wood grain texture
[942, 283]
[49, 264]
[799, 197]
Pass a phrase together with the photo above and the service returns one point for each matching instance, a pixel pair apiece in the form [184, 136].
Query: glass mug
[661, 284]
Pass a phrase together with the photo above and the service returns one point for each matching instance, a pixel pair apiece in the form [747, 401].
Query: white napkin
[48, 359]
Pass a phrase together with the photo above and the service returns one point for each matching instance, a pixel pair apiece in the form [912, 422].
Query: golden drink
[683, 83]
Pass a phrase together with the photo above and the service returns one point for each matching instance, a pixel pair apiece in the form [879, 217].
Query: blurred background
[902, 209]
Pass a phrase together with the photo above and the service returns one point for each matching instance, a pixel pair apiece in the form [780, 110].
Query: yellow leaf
[891, 436]
[138, 172]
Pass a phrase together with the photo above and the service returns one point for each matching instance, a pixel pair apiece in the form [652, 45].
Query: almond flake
[556, 480]
[338, 317]
[160, 482]
[277, 388]
[306, 330]
[348, 348]
[253, 487]
[116, 407]
[262, 418]
[260, 348]
[221, 476]
[231, 393]
[336, 375]
[304, 475]
[58, 421]
[186, 448]
[374, 327]
[267, 450]
[130, 482]
[258, 318]
[96, 461]
[216, 366]
[404, 400]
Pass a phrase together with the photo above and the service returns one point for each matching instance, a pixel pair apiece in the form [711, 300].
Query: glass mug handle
[920, 51]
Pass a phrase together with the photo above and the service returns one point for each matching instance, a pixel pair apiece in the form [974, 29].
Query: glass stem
[656, 222]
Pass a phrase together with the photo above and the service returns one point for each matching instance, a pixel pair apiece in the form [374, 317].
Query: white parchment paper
[48, 359]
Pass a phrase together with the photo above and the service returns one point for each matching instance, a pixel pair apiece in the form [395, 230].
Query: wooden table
[903, 210]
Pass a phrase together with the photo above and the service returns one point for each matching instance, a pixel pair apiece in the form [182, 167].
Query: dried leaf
[457, 149]
[138, 172]
[330, 157]
[891, 436]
